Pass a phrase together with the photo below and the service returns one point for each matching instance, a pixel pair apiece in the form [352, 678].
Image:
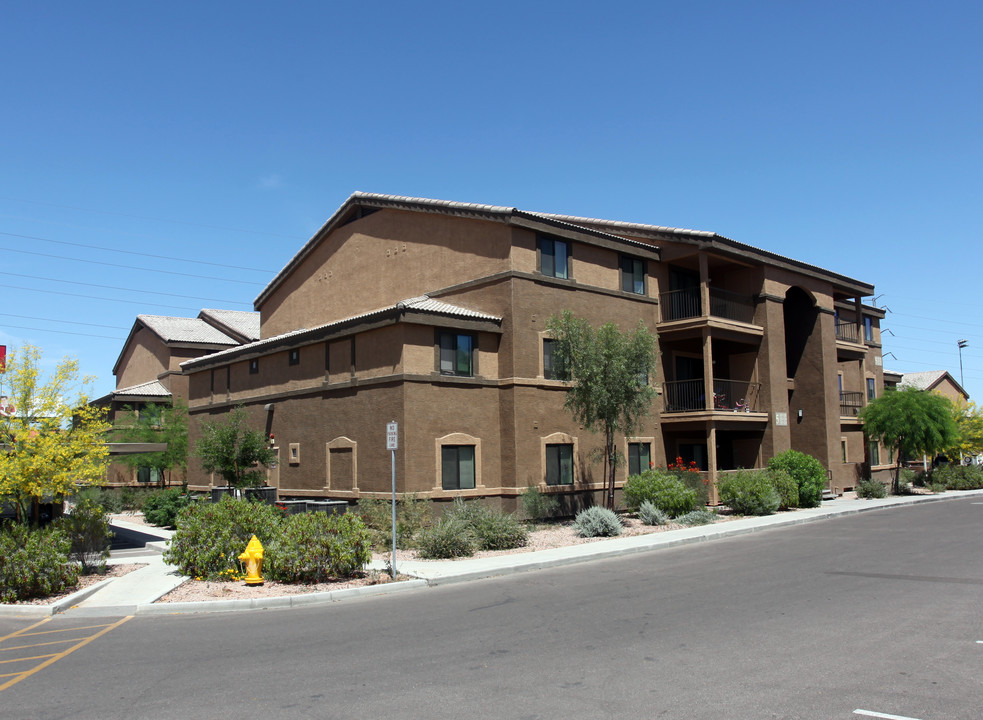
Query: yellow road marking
[55, 658]
[33, 657]
[51, 632]
[29, 627]
[53, 642]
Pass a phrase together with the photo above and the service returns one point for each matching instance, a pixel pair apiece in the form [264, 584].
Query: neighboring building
[148, 368]
[937, 381]
[433, 314]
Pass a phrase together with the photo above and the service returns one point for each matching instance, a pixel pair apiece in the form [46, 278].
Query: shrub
[211, 536]
[959, 477]
[34, 563]
[412, 515]
[808, 473]
[449, 537]
[937, 487]
[108, 499]
[868, 489]
[667, 492]
[785, 486]
[87, 530]
[698, 517]
[651, 515]
[315, 547]
[537, 505]
[161, 508]
[492, 529]
[597, 521]
[748, 492]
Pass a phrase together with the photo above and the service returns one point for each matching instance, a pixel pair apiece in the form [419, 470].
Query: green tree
[912, 422]
[969, 425]
[234, 450]
[609, 373]
[52, 440]
[156, 424]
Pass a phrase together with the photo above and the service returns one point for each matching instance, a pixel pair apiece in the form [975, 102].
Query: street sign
[392, 436]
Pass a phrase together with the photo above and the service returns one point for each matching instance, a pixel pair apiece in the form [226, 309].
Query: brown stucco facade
[434, 315]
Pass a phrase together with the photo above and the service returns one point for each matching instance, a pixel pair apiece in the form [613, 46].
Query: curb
[59, 606]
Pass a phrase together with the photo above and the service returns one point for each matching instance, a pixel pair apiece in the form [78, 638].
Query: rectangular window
[456, 354]
[457, 467]
[294, 356]
[554, 257]
[559, 464]
[874, 451]
[871, 391]
[552, 369]
[148, 475]
[868, 328]
[633, 273]
[639, 458]
[842, 449]
[253, 366]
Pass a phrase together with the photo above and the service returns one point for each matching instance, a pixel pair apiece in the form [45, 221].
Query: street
[878, 612]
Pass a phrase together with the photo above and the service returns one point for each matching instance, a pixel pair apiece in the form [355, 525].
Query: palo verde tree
[609, 373]
[969, 429]
[156, 424]
[53, 441]
[911, 421]
[234, 450]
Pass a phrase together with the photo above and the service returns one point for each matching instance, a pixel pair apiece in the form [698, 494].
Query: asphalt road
[879, 612]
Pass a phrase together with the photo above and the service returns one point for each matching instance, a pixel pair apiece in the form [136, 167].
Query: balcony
[848, 332]
[685, 304]
[682, 396]
[850, 403]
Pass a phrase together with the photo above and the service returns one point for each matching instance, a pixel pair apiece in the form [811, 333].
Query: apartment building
[433, 314]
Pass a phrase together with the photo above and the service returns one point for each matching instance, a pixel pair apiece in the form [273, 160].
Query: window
[554, 257]
[148, 475]
[842, 449]
[551, 367]
[294, 356]
[639, 457]
[559, 464]
[874, 451]
[457, 467]
[868, 328]
[254, 366]
[871, 390]
[456, 354]
[633, 273]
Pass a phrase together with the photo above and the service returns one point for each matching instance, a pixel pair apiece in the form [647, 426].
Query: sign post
[392, 444]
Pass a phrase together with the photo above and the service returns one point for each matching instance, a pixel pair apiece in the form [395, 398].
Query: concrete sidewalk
[136, 593]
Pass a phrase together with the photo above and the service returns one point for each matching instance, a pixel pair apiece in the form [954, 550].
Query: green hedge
[34, 563]
[664, 490]
[808, 473]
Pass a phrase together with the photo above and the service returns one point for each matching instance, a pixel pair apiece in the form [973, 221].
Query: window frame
[631, 267]
[554, 452]
[293, 356]
[547, 247]
[455, 336]
[550, 371]
[871, 389]
[637, 445]
[254, 366]
[454, 465]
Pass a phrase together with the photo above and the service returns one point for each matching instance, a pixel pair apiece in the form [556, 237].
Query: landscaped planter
[266, 494]
[332, 507]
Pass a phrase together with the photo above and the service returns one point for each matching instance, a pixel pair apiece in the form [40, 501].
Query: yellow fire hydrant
[253, 557]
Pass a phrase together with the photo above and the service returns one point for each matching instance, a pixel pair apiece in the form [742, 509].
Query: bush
[959, 477]
[869, 489]
[316, 547]
[937, 487]
[109, 499]
[537, 505]
[412, 515]
[34, 563]
[748, 492]
[664, 490]
[211, 536]
[698, 517]
[597, 521]
[161, 508]
[492, 529]
[651, 515]
[450, 537]
[87, 530]
[808, 473]
[785, 486]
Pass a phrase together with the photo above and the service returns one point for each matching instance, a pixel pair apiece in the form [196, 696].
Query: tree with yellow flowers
[51, 440]
[969, 423]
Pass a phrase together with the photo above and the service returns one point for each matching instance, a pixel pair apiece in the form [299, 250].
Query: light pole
[962, 344]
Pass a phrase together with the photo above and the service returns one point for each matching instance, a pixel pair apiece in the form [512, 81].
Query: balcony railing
[728, 396]
[850, 403]
[848, 332]
[683, 304]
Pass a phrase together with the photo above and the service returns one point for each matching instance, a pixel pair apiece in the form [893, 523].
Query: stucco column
[712, 462]
[704, 285]
[707, 369]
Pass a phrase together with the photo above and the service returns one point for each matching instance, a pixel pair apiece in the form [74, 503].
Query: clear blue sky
[845, 134]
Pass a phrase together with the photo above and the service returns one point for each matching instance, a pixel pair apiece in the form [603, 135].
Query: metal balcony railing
[848, 332]
[683, 304]
[850, 403]
[728, 396]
